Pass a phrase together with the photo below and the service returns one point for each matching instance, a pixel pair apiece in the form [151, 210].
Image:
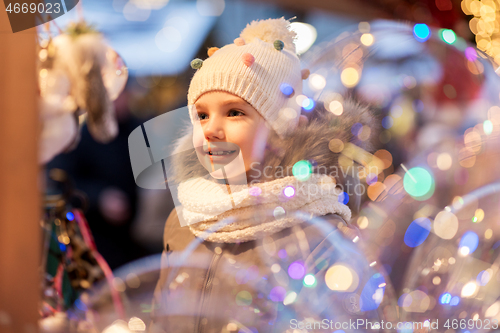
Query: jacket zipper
[205, 292]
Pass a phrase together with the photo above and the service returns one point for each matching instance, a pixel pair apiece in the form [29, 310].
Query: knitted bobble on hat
[239, 41]
[196, 63]
[278, 45]
[211, 51]
[305, 73]
[247, 59]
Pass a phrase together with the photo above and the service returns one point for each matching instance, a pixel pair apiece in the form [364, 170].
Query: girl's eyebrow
[202, 106]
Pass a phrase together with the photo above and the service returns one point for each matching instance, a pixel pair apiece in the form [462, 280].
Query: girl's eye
[235, 113]
[202, 116]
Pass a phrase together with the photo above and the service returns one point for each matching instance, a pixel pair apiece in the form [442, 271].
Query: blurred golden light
[475, 7]
[349, 77]
[485, 28]
[436, 280]
[445, 225]
[336, 145]
[336, 108]
[444, 161]
[136, 324]
[469, 289]
[466, 157]
[479, 215]
[367, 39]
[488, 233]
[487, 12]
[43, 54]
[483, 42]
[466, 7]
[317, 81]
[362, 222]
[339, 277]
[290, 298]
[464, 251]
[375, 190]
[306, 35]
[473, 25]
[485, 25]
[493, 310]
[385, 156]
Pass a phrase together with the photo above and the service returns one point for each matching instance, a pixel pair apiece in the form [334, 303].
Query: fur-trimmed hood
[311, 141]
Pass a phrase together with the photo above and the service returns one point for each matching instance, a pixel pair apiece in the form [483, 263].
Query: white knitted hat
[261, 67]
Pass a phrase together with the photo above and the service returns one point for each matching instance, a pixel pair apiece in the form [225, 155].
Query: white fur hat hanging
[261, 67]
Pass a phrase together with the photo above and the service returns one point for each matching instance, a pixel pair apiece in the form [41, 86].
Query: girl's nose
[214, 130]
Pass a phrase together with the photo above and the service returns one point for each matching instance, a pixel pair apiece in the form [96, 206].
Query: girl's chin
[233, 177]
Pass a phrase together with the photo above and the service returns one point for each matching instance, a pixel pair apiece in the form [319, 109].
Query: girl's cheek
[259, 143]
[198, 135]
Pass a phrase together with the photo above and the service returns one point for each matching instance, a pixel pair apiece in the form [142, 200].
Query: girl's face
[226, 121]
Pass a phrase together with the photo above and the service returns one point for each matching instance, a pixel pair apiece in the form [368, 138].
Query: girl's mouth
[218, 154]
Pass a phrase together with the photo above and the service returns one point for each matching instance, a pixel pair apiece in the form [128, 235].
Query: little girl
[239, 246]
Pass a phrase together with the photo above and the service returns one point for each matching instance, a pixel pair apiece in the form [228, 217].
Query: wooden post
[20, 211]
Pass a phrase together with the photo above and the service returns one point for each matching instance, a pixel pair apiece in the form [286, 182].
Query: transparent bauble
[309, 276]
[453, 276]
[437, 99]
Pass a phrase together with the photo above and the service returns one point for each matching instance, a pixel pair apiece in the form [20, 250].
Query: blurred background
[158, 39]
[427, 67]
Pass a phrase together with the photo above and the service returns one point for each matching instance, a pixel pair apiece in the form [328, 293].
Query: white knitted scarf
[206, 202]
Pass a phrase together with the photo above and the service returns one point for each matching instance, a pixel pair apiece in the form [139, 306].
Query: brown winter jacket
[208, 290]
[259, 286]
